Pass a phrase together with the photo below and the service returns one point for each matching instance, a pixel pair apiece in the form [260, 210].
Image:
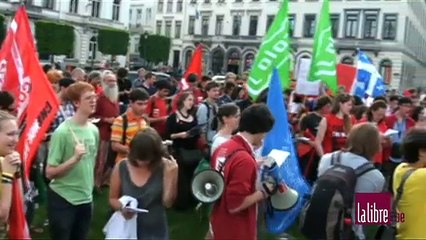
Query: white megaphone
[283, 197]
[207, 186]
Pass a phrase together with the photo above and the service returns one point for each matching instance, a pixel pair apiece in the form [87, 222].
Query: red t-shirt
[105, 109]
[240, 174]
[157, 107]
[384, 154]
[335, 135]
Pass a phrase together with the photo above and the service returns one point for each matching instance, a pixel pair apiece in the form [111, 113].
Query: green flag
[323, 65]
[274, 52]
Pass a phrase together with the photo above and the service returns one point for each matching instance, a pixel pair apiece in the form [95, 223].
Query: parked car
[219, 79]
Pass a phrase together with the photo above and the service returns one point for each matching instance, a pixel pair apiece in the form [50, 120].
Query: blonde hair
[5, 116]
[54, 76]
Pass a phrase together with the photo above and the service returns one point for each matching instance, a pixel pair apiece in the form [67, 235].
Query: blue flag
[280, 138]
[369, 81]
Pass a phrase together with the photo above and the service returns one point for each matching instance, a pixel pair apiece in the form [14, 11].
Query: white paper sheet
[390, 132]
[137, 210]
[279, 156]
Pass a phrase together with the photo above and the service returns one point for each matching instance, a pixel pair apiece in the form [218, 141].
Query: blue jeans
[67, 221]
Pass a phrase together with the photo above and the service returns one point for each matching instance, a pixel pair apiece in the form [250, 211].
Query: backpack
[214, 125]
[328, 213]
[112, 155]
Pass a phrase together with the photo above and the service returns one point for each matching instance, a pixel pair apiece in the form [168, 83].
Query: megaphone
[283, 197]
[207, 186]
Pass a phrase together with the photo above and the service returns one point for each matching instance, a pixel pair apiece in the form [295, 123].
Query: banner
[303, 86]
[323, 66]
[280, 138]
[274, 52]
[37, 104]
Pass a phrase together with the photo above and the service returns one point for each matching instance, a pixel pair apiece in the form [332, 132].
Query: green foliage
[2, 29]
[113, 42]
[157, 48]
[54, 38]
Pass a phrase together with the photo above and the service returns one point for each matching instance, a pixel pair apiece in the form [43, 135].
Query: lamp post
[145, 37]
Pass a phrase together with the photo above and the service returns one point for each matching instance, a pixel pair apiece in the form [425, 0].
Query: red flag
[196, 67]
[346, 75]
[37, 105]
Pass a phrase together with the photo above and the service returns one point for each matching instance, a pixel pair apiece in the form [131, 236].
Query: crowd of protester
[110, 131]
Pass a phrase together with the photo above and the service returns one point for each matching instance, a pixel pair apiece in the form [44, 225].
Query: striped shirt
[134, 125]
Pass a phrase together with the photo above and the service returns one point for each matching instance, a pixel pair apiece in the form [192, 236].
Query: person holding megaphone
[235, 160]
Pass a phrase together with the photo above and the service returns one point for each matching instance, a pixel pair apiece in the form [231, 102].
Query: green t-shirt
[76, 185]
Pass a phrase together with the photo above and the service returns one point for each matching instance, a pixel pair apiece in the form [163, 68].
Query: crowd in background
[118, 127]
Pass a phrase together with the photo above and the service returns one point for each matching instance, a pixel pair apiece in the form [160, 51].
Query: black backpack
[331, 202]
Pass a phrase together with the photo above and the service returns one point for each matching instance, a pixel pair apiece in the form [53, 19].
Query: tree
[2, 29]
[113, 42]
[155, 48]
[54, 38]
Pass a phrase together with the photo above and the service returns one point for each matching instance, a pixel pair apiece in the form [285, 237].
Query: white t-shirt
[218, 140]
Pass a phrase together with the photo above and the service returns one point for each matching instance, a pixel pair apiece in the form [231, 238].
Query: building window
[179, 6]
[385, 69]
[116, 10]
[206, 1]
[335, 22]
[205, 25]
[389, 26]
[96, 8]
[168, 30]
[169, 6]
[191, 25]
[370, 25]
[188, 56]
[352, 25]
[178, 28]
[347, 60]
[309, 27]
[193, 1]
[221, 1]
[218, 57]
[148, 15]
[238, 1]
[160, 6]
[74, 6]
[253, 25]
[138, 14]
[93, 47]
[291, 24]
[269, 20]
[236, 25]
[219, 25]
[159, 26]
[50, 4]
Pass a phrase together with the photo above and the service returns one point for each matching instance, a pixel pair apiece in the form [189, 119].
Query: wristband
[8, 175]
[6, 180]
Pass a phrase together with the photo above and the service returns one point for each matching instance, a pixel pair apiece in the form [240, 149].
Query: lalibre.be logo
[375, 208]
